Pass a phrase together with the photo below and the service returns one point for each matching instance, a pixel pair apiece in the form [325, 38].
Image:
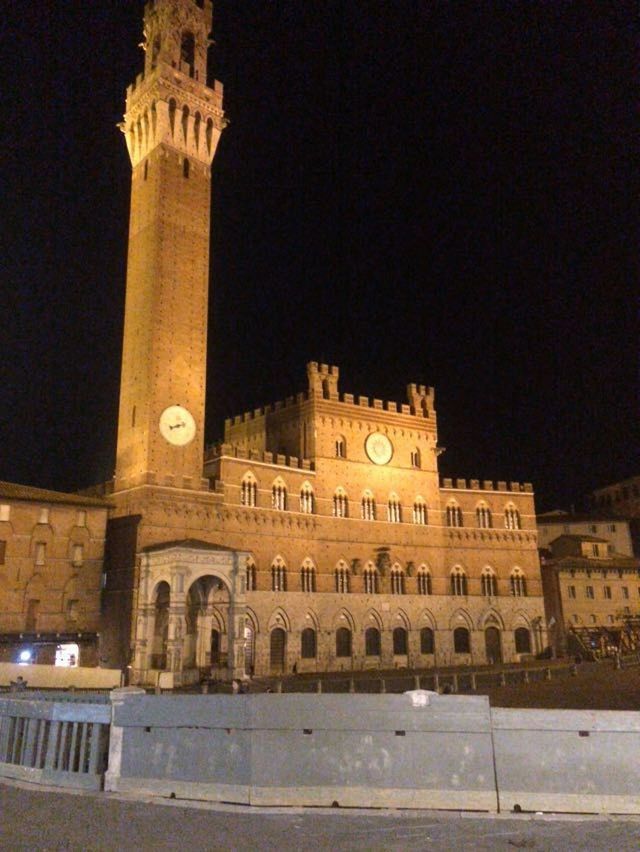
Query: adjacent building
[604, 524]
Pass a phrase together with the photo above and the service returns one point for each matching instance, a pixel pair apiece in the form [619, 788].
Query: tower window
[188, 51]
[185, 168]
[342, 578]
[340, 503]
[146, 169]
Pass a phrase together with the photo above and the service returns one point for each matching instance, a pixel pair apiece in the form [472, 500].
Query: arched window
[523, 640]
[307, 576]
[188, 51]
[518, 583]
[341, 447]
[419, 511]
[461, 641]
[370, 577]
[397, 580]
[185, 126]
[372, 642]
[279, 495]
[427, 643]
[306, 499]
[197, 122]
[458, 582]
[185, 168]
[249, 490]
[209, 134]
[454, 514]
[278, 575]
[342, 578]
[340, 503]
[250, 574]
[424, 581]
[399, 641]
[172, 114]
[415, 458]
[155, 51]
[308, 644]
[368, 506]
[394, 509]
[343, 642]
[511, 518]
[489, 583]
[483, 516]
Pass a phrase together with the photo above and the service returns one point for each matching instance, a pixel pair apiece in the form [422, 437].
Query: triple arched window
[250, 575]
[306, 499]
[278, 575]
[511, 518]
[368, 506]
[340, 503]
[397, 581]
[342, 577]
[459, 582]
[370, 579]
[249, 490]
[394, 509]
[419, 511]
[454, 515]
[518, 583]
[279, 495]
[307, 576]
[483, 516]
[489, 583]
[424, 581]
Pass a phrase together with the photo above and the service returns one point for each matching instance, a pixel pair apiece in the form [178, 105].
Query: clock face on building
[177, 425]
[379, 448]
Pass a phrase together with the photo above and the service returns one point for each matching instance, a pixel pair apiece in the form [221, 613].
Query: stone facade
[320, 536]
[51, 560]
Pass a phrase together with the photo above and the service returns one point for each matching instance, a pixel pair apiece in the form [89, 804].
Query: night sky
[414, 191]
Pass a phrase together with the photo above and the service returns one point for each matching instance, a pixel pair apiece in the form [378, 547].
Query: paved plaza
[33, 819]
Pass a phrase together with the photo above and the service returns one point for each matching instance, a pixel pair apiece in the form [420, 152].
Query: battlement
[486, 485]
[216, 451]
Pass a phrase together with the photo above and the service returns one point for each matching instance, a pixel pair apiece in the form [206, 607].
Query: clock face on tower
[177, 425]
[379, 448]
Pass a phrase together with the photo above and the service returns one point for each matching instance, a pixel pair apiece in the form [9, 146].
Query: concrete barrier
[576, 761]
[60, 677]
[55, 743]
[353, 750]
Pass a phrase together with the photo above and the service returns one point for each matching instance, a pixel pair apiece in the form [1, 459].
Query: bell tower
[172, 125]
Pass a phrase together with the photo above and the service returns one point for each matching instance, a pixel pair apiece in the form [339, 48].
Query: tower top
[176, 34]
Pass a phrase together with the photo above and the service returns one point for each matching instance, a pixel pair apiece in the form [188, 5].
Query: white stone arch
[253, 619]
[372, 618]
[400, 619]
[520, 618]
[279, 618]
[427, 619]
[460, 618]
[491, 618]
[310, 619]
[343, 618]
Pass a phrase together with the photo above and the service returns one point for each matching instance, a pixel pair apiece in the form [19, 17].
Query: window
[606, 593]
[511, 518]
[625, 592]
[78, 554]
[72, 610]
[5, 512]
[593, 619]
[41, 552]
[461, 641]
[424, 581]
[427, 641]
[483, 516]
[33, 610]
[394, 510]
[593, 528]
[575, 618]
[343, 642]
[397, 581]
[489, 583]
[399, 642]
[458, 582]
[612, 527]
[368, 506]
[454, 515]
[81, 519]
[340, 503]
[415, 458]
[306, 499]
[308, 576]
[372, 642]
[250, 575]
[43, 517]
[278, 576]
[589, 592]
[3, 551]
[340, 447]
[308, 644]
[522, 640]
[187, 51]
[419, 511]
[518, 583]
[370, 577]
[186, 168]
[571, 591]
[279, 496]
[610, 619]
[249, 490]
[342, 578]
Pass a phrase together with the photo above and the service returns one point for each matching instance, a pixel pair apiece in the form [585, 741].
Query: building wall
[615, 531]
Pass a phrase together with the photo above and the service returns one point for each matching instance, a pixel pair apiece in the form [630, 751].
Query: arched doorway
[278, 647]
[160, 627]
[215, 647]
[206, 614]
[493, 645]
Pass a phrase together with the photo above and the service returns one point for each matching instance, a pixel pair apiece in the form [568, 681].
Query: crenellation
[502, 486]
[487, 485]
[461, 483]
[391, 406]
[377, 403]
[405, 409]
[474, 484]
[348, 398]
[363, 401]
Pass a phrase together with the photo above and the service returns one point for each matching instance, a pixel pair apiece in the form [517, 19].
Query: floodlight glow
[25, 656]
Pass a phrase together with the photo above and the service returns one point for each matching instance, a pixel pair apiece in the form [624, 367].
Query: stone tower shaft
[172, 125]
